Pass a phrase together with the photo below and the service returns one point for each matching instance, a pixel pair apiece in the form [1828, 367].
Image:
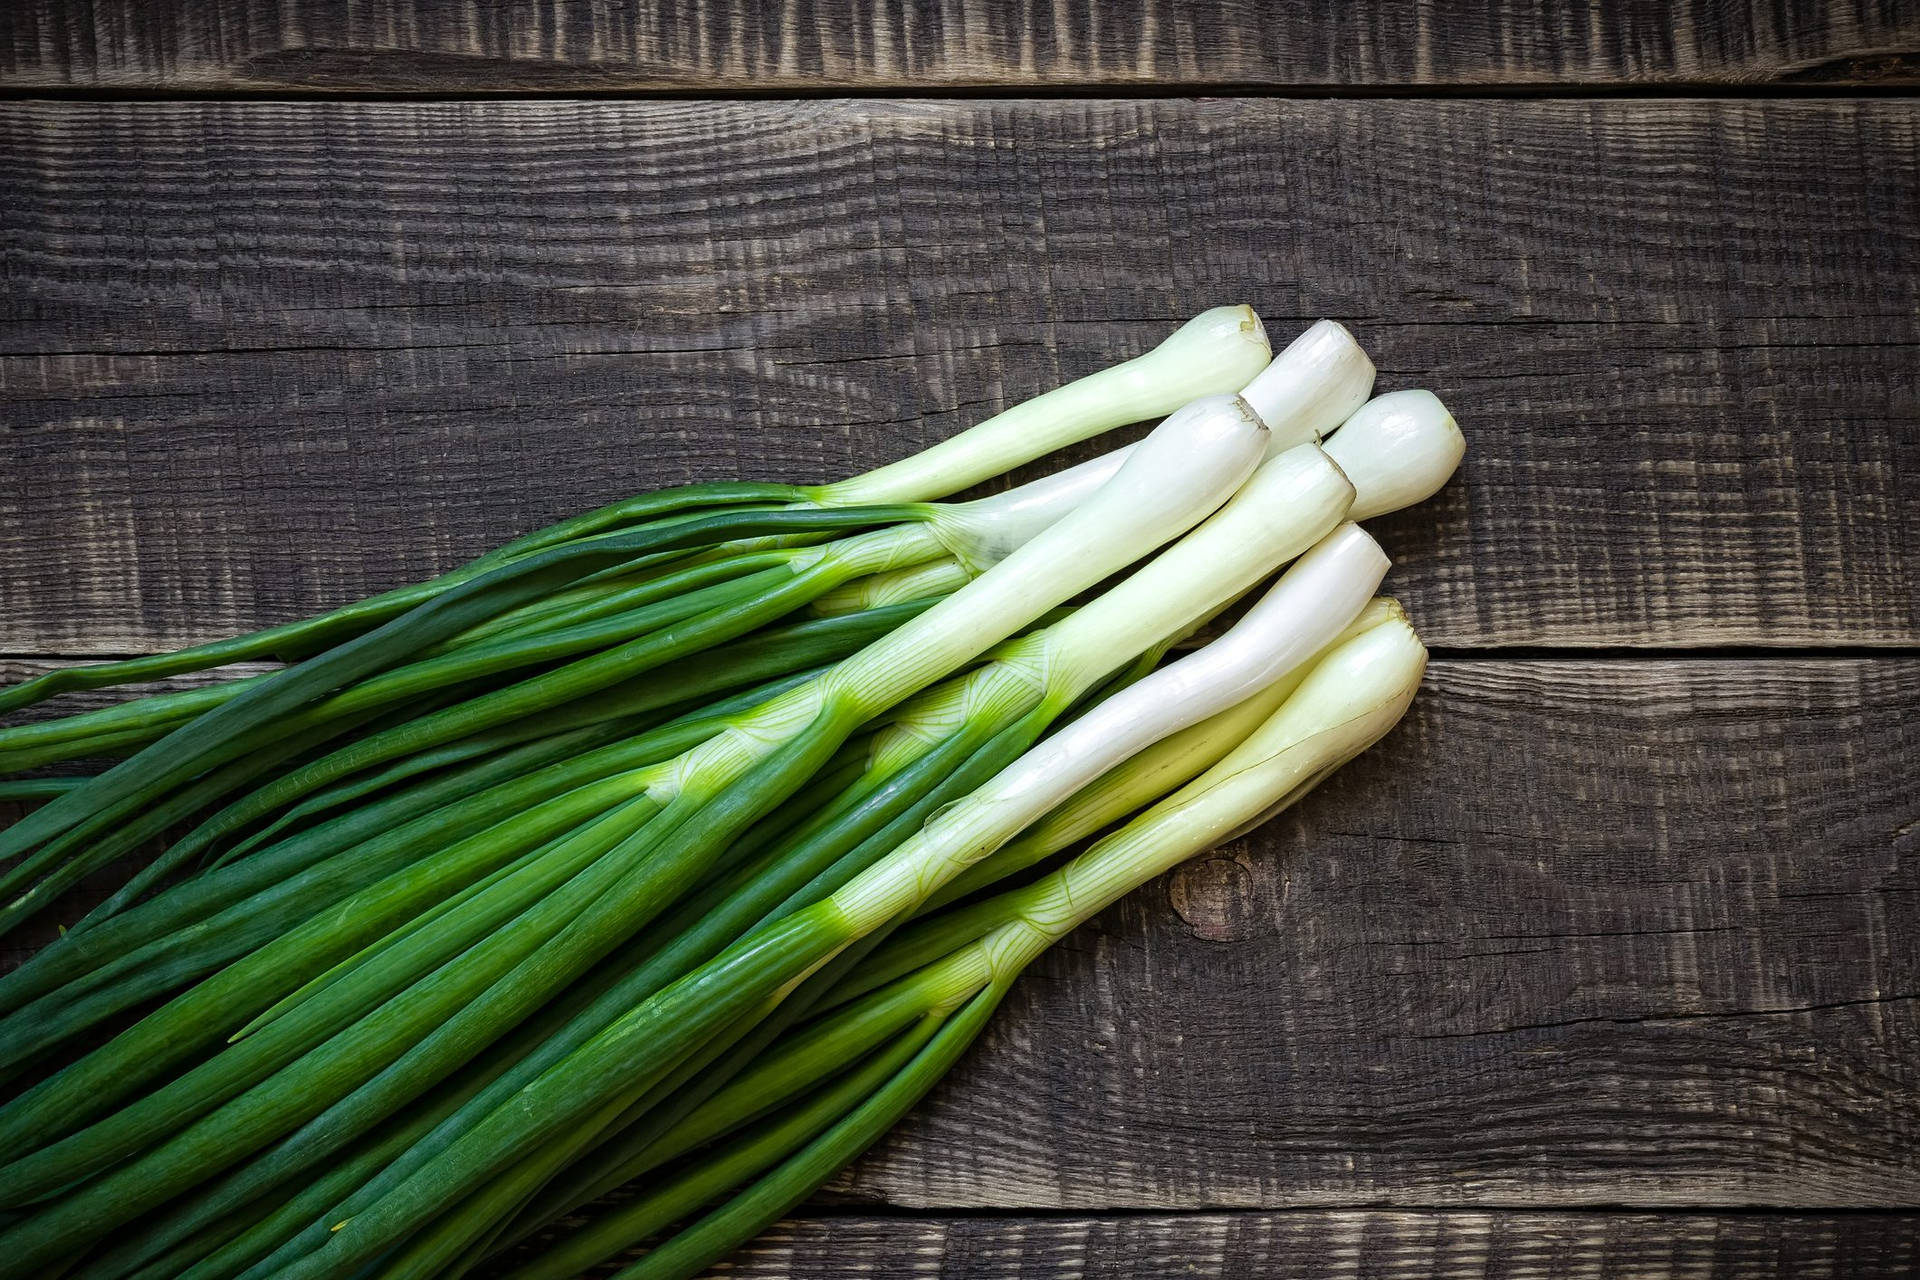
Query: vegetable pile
[679, 847]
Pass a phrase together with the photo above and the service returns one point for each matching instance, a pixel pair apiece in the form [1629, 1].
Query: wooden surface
[1603, 964]
[1557, 941]
[271, 357]
[1498, 1245]
[783, 46]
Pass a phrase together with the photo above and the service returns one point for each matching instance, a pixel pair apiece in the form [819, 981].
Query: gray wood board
[262, 358]
[1367, 1243]
[1624, 932]
[437, 46]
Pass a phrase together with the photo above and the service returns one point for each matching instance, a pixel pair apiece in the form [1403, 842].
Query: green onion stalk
[492, 881]
[938, 747]
[594, 1084]
[646, 539]
[1283, 508]
[921, 762]
[827, 1091]
[1303, 394]
[598, 877]
[140, 957]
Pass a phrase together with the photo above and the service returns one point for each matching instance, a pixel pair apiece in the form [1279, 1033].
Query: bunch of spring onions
[688, 841]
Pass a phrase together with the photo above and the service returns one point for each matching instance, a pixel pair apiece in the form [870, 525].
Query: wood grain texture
[1626, 932]
[1636, 933]
[260, 359]
[889, 45]
[1367, 1243]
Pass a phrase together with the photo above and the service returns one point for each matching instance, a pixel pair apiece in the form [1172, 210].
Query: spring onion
[674, 842]
[1236, 531]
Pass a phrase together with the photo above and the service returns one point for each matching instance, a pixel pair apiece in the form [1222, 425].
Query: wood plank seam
[584, 45]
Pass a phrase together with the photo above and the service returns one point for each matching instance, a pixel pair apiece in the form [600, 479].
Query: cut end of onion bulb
[1251, 326]
[1311, 387]
[1222, 346]
[1398, 449]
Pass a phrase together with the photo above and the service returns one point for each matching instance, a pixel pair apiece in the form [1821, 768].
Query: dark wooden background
[1605, 963]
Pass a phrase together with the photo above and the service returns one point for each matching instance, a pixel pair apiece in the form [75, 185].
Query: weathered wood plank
[1499, 960]
[1628, 932]
[1633, 933]
[699, 45]
[1372, 1243]
[259, 359]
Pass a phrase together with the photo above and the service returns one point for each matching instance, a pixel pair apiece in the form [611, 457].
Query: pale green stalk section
[1187, 467]
[979, 535]
[1285, 507]
[937, 713]
[881, 551]
[1306, 392]
[1311, 387]
[1150, 775]
[1217, 351]
[1313, 602]
[983, 532]
[940, 577]
[1345, 704]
